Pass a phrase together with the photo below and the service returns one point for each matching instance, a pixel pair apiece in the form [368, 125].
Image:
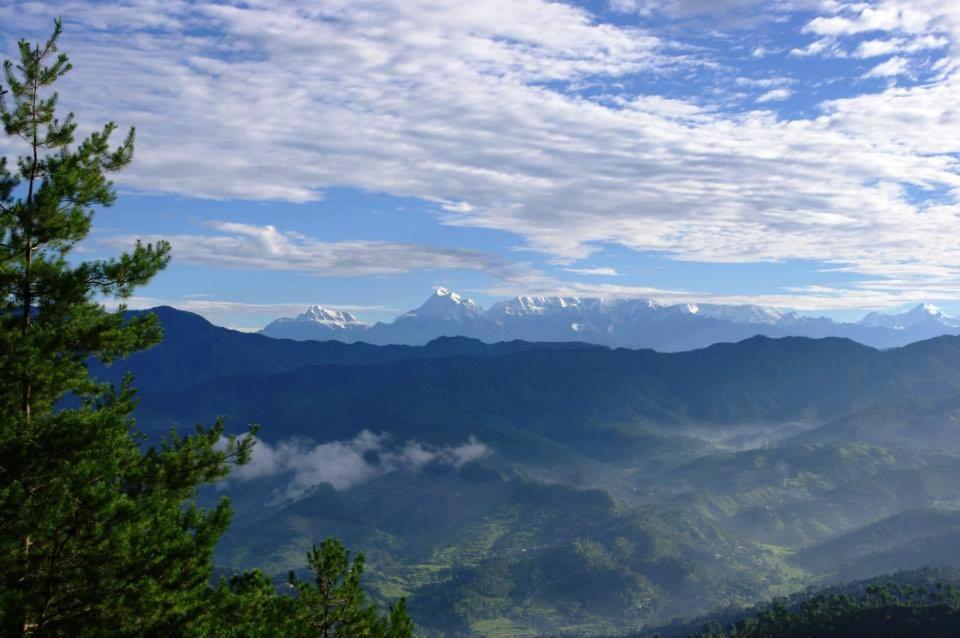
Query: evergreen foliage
[95, 532]
[101, 535]
[333, 605]
[888, 610]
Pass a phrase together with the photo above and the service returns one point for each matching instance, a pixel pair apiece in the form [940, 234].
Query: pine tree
[330, 605]
[334, 604]
[99, 535]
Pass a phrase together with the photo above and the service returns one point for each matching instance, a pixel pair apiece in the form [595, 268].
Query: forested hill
[922, 602]
[522, 488]
[194, 350]
[205, 370]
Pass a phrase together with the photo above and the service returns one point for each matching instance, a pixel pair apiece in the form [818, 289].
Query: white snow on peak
[521, 306]
[924, 313]
[626, 309]
[733, 314]
[319, 314]
[684, 309]
[613, 321]
[740, 314]
[926, 309]
[446, 305]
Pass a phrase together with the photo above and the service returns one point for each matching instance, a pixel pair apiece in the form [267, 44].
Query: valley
[521, 489]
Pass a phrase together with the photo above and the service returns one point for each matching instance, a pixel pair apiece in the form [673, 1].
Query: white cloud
[890, 68]
[248, 246]
[692, 8]
[774, 95]
[598, 272]
[681, 8]
[763, 83]
[875, 294]
[822, 46]
[885, 18]
[246, 316]
[345, 464]
[896, 27]
[218, 308]
[464, 104]
[876, 48]
[903, 286]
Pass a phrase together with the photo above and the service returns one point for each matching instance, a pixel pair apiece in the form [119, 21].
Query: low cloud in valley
[345, 464]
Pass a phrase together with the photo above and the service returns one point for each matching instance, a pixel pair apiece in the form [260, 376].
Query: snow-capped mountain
[317, 323]
[444, 305]
[923, 314]
[526, 306]
[739, 314]
[632, 323]
[323, 315]
[443, 314]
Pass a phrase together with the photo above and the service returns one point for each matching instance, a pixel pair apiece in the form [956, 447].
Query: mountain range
[630, 323]
[520, 489]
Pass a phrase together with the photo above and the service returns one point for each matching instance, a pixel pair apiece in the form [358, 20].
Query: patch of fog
[345, 464]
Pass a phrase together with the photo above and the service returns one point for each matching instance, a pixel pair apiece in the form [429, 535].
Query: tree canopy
[100, 532]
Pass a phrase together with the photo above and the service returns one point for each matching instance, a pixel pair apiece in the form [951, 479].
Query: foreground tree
[100, 535]
[331, 605]
[97, 535]
[334, 605]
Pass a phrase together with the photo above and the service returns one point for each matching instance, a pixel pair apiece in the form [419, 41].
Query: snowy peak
[921, 314]
[633, 309]
[748, 314]
[615, 322]
[524, 306]
[320, 314]
[546, 306]
[317, 323]
[446, 305]
[683, 309]
[926, 312]
[740, 314]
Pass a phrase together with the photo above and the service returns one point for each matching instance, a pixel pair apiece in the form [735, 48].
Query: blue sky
[356, 154]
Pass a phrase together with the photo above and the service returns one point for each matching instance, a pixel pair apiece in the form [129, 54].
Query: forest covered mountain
[521, 488]
[916, 602]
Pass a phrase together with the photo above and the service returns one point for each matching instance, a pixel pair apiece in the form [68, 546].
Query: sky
[356, 154]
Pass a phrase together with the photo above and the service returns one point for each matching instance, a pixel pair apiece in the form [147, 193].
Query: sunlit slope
[615, 489]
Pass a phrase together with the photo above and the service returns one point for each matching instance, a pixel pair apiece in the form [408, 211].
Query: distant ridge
[631, 323]
[194, 351]
[555, 385]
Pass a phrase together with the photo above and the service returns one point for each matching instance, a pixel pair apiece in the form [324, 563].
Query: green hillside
[617, 490]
